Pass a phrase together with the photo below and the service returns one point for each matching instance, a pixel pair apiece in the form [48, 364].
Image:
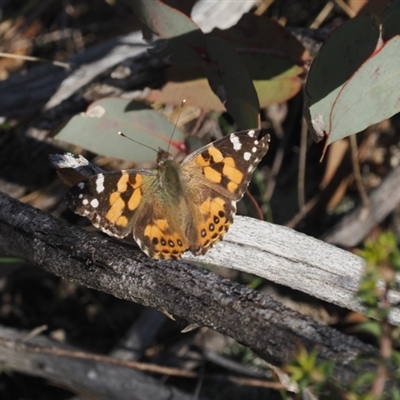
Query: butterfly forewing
[111, 200]
[227, 164]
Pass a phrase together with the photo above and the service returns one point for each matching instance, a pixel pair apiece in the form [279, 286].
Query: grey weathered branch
[27, 93]
[355, 226]
[80, 372]
[295, 260]
[189, 294]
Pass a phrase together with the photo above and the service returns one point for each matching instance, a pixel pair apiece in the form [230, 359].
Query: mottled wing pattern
[227, 164]
[159, 228]
[112, 200]
[217, 177]
[212, 215]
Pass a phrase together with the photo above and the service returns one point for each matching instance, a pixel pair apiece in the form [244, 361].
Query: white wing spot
[100, 183]
[251, 168]
[94, 203]
[236, 142]
[85, 202]
[233, 204]
[254, 149]
[251, 133]
[247, 156]
[256, 142]
[80, 196]
[81, 185]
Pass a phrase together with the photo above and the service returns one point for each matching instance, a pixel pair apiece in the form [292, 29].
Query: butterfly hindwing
[159, 229]
[212, 215]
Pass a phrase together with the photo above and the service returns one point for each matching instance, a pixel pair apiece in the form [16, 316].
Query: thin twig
[169, 371]
[322, 15]
[303, 212]
[34, 332]
[82, 355]
[345, 8]
[385, 347]
[36, 59]
[302, 164]
[357, 173]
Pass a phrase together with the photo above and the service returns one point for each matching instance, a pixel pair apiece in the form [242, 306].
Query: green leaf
[162, 19]
[371, 327]
[184, 42]
[97, 130]
[231, 82]
[268, 50]
[390, 20]
[10, 260]
[341, 55]
[366, 378]
[338, 59]
[371, 95]
[354, 82]
[273, 57]
[394, 394]
[277, 90]
[191, 84]
[396, 357]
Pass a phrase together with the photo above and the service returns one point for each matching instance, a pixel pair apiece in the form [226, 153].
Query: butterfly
[177, 206]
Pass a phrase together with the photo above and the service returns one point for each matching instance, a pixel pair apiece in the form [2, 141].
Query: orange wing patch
[118, 205]
[163, 242]
[215, 223]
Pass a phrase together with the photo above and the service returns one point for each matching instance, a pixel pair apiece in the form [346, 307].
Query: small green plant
[307, 372]
[382, 257]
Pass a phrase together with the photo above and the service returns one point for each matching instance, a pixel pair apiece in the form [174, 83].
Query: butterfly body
[177, 206]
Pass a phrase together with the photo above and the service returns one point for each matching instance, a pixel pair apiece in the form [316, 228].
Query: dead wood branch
[294, 259]
[189, 294]
[355, 226]
[80, 372]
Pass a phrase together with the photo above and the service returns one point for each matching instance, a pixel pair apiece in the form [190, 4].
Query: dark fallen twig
[141, 334]
[87, 374]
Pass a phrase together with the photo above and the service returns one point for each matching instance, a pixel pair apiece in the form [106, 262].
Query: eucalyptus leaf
[183, 41]
[337, 62]
[97, 130]
[231, 82]
[390, 20]
[371, 95]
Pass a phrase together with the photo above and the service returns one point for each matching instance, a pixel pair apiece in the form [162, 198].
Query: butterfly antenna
[135, 141]
[176, 123]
